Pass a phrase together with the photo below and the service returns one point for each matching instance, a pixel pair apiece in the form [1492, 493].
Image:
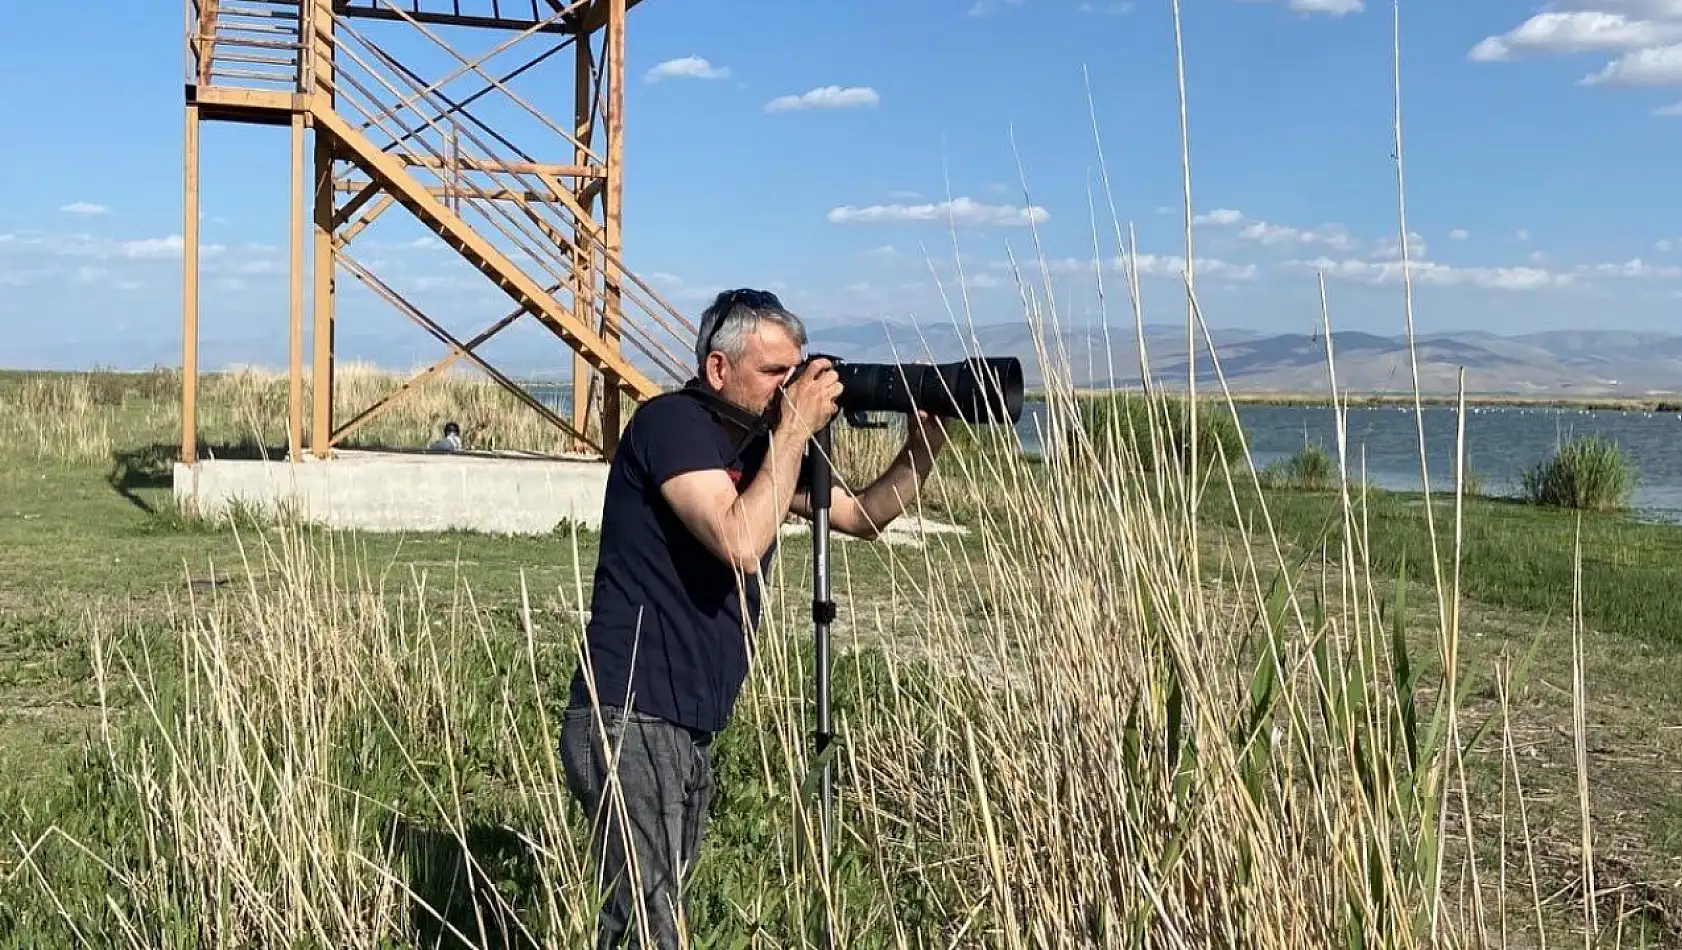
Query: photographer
[696, 495]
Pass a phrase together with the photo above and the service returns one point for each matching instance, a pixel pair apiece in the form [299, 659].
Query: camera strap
[752, 426]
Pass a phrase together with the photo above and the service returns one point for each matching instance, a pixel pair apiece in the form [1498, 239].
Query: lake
[1501, 442]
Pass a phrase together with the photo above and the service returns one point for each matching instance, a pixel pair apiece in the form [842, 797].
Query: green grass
[1514, 555]
[461, 643]
[1149, 427]
[1588, 472]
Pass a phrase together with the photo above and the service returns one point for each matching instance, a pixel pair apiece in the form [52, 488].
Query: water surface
[1501, 443]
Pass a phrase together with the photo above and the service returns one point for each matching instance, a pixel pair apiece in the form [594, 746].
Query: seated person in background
[451, 442]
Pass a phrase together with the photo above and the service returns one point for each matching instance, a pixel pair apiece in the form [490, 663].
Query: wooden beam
[414, 382]
[563, 26]
[612, 207]
[482, 254]
[324, 262]
[358, 188]
[586, 95]
[295, 302]
[190, 292]
[580, 170]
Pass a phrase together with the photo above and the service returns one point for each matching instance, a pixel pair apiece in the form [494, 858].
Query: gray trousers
[646, 827]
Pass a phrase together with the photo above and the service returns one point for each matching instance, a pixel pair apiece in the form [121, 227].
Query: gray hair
[734, 316]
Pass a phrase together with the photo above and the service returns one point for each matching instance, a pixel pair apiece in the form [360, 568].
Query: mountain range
[1553, 363]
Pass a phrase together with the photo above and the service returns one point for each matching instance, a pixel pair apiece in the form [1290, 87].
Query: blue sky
[812, 147]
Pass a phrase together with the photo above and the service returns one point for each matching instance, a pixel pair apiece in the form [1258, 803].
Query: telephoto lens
[980, 390]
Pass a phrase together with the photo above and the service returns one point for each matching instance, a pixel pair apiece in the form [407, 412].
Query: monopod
[823, 614]
[952, 390]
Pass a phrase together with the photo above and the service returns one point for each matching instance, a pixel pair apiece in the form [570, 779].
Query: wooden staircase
[391, 173]
[534, 234]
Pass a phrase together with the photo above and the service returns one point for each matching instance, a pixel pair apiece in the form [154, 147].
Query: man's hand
[867, 513]
[809, 401]
[924, 433]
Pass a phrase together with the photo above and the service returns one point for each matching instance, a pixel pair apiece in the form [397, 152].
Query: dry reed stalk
[1076, 742]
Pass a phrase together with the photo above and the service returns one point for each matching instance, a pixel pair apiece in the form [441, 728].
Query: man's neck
[737, 421]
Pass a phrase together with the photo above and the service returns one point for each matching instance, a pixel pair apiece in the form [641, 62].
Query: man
[696, 495]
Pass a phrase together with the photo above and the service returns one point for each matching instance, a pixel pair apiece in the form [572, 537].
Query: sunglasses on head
[731, 299]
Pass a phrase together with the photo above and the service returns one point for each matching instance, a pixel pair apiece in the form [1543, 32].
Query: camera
[980, 390]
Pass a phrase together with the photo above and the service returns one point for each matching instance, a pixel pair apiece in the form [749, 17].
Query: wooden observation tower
[536, 211]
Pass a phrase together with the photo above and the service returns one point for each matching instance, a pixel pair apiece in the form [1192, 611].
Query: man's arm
[866, 514]
[738, 526]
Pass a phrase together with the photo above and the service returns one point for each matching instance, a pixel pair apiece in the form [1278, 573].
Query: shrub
[1588, 472]
[1311, 468]
[1126, 417]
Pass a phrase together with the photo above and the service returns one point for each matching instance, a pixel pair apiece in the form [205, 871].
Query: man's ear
[713, 374]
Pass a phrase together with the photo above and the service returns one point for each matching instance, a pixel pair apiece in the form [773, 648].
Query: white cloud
[84, 207]
[1148, 265]
[961, 212]
[1635, 267]
[1428, 272]
[984, 7]
[164, 247]
[1634, 9]
[1333, 7]
[1522, 234]
[1644, 35]
[1268, 234]
[1110, 6]
[686, 67]
[1580, 31]
[1223, 217]
[1459, 234]
[1390, 249]
[826, 97]
[88, 246]
[1654, 66]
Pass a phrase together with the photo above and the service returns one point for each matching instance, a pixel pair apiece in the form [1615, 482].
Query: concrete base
[491, 493]
[400, 491]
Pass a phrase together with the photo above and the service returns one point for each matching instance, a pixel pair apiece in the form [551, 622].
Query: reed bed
[85, 417]
[1091, 723]
[1075, 736]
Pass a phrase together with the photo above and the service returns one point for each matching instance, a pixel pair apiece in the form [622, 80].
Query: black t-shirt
[667, 633]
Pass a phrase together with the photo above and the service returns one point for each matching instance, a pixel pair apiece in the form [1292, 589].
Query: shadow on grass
[458, 903]
[152, 466]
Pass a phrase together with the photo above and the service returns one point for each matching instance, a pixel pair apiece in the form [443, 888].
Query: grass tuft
[1588, 473]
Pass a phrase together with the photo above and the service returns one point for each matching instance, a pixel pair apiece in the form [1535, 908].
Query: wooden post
[295, 308]
[586, 96]
[324, 277]
[190, 293]
[612, 196]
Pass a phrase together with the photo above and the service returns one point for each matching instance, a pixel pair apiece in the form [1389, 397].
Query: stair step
[257, 59]
[258, 12]
[573, 328]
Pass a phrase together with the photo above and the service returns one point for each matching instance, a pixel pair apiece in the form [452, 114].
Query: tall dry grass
[89, 416]
[1072, 734]
[1092, 725]
[1072, 739]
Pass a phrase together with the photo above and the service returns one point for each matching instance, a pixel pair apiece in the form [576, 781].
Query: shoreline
[1660, 402]
[1657, 403]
